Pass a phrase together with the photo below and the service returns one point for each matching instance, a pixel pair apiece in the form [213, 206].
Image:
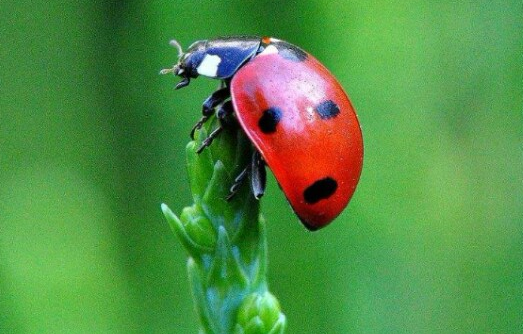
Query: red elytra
[302, 122]
[293, 110]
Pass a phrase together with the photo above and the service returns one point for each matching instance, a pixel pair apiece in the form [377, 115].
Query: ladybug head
[188, 62]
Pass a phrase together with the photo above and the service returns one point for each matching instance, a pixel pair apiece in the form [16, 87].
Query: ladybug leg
[215, 99]
[208, 106]
[184, 82]
[223, 116]
[198, 125]
[209, 139]
[238, 181]
[258, 175]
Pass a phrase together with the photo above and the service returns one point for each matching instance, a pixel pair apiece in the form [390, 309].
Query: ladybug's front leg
[223, 115]
[208, 106]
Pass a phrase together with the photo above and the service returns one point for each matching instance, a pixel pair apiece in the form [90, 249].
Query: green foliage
[92, 140]
[226, 242]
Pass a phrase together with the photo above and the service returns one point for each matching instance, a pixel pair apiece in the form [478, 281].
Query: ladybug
[293, 110]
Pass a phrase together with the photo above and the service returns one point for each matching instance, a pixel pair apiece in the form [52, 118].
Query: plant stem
[226, 241]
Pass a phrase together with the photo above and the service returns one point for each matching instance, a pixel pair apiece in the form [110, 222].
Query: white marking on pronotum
[271, 49]
[209, 65]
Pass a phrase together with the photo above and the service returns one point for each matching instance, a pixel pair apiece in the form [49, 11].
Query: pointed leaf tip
[171, 217]
[195, 246]
[165, 208]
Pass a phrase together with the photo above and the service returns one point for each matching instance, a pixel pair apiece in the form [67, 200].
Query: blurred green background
[92, 141]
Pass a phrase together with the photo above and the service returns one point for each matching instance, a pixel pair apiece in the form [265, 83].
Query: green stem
[226, 242]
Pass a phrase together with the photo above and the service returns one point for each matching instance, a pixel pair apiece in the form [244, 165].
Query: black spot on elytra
[290, 52]
[319, 190]
[270, 118]
[327, 109]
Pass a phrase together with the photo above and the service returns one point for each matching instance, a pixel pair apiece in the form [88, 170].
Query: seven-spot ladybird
[295, 113]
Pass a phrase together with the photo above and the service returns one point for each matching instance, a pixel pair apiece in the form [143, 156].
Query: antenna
[178, 47]
[175, 68]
